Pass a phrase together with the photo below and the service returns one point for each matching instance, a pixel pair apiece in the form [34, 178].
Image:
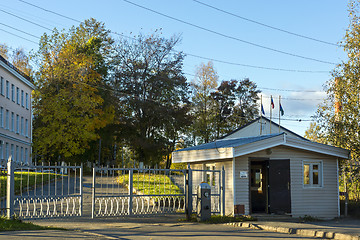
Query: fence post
[10, 189]
[81, 189]
[93, 193]
[188, 194]
[222, 189]
[130, 205]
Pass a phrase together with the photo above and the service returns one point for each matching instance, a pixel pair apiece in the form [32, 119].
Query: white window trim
[321, 173]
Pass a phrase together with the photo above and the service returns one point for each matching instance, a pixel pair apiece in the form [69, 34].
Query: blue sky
[321, 19]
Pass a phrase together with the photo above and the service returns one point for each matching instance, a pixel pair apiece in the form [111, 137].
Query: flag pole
[261, 113]
[279, 112]
[270, 111]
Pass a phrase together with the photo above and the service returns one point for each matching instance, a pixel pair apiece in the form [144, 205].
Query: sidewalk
[344, 229]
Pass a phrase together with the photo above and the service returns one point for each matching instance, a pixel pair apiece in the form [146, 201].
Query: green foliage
[308, 218]
[68, 106]
[18, 225]
[26, 180]
[217, 219]
[338, 117]
[151, 184]
[218, 111]
[152, 96]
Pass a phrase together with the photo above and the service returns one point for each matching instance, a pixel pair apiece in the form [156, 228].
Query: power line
[20, 30]
[292, 90]
[229, 37]
[188, 54]
[17, 36]
[25, 20]
[254, 66]
[46, 10]
[265, 25]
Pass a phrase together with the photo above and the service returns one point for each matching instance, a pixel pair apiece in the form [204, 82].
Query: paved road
[161, 227]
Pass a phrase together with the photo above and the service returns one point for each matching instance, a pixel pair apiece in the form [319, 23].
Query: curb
[297, 231]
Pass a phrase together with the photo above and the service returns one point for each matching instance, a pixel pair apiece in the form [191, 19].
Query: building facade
[278, 173]
[15, 114]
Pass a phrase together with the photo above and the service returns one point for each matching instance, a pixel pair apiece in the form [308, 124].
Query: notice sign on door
[243, 174]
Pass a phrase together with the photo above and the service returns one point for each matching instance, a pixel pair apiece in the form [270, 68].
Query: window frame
[320, 172]
[2, 86]
[13, 92]
[7, 89]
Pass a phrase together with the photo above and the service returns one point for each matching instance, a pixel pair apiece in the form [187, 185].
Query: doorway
[270, 186]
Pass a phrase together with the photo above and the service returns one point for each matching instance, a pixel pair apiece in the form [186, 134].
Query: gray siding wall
[321, 202]
[242, 184]
[229, 193]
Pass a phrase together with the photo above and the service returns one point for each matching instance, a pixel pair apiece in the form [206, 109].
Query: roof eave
[202, 155]
[17, 75]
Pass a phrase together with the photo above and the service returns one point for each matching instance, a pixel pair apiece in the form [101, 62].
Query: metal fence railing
[47, 191]
[124, 191]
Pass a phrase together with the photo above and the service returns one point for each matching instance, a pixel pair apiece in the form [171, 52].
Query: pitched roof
[225, 143]
[235, 147]
[257, 119]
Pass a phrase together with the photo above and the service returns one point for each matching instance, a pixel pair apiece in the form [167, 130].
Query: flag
[262, 109]
[281, 110]
[272, 103]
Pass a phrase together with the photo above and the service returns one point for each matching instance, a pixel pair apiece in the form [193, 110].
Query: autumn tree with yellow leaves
[69, 106]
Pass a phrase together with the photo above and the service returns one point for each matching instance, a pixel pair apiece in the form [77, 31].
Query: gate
[57, 191]
[44, 191]
[124, 191]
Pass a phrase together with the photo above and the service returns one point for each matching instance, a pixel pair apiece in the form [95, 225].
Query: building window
[17, 123]
[7, 90]
[1, 150]
[1, 117]
[22, 154]
[17, 96]
[13, 92]
[7, 119]
[312, 173]
[26, 128]
[2, 86]
[17, 154]
[22, 98]
[6, 151]
[12, 152]
[26, 155]
[22, 126]
[12, 122]
[27, 100]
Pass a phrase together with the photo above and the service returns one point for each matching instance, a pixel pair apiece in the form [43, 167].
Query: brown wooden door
[279, 186]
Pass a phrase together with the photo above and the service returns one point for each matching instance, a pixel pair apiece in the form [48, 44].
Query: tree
[235, 104]
[224, 102]
[204, 84]
[68, 106]
[152, 95]
[338, 117]
[18, 57]
[314, 133]
[246, 108]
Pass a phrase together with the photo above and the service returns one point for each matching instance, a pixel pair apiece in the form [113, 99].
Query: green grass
[151, 184]
[25, 180]
[216, 219]
[18, 225]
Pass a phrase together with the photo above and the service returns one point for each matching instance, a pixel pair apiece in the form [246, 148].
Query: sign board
[243, 174]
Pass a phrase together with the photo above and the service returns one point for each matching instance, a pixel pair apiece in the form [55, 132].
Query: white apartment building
[15, 114]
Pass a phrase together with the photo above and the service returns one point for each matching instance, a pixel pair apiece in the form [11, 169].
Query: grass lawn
[151, 184]
[18, 225]
[221, 219]
[26, 180]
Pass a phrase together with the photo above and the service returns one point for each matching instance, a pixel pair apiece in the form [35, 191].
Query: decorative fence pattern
[57, 191]
[122, 191]
[47, 192]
